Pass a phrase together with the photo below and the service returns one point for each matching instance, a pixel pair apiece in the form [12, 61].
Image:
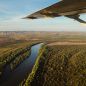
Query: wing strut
[76, 17]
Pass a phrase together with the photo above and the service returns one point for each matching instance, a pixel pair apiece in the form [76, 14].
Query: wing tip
[29, 17]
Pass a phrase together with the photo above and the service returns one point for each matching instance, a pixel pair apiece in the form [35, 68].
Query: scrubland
[61, 65]
[61, 62]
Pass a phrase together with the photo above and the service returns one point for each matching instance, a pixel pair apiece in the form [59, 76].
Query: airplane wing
[62, 8]
[46, 12]
[76, 17]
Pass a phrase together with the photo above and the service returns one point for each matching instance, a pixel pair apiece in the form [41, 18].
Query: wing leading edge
[46, 12]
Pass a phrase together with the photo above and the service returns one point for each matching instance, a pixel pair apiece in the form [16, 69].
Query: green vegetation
[19, 59]
[35, 68]
[14, 54]
[60, 65]
[63, 65]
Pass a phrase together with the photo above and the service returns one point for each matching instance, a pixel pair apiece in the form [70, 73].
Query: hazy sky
[12, 12]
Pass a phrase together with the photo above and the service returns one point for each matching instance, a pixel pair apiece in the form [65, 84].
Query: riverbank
[18, 60]
[31, 76]
[9, 53]
[15, 77]
[60, 65]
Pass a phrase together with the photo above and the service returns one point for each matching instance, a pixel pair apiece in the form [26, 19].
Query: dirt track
[67, 43]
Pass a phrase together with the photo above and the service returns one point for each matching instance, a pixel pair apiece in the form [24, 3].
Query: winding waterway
[14, 78]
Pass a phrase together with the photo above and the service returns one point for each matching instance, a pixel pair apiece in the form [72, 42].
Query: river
[17, 76]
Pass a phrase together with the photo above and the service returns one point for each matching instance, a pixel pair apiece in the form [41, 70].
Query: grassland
[61, 65]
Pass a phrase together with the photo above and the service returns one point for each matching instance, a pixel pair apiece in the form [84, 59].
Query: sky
[12, 12]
